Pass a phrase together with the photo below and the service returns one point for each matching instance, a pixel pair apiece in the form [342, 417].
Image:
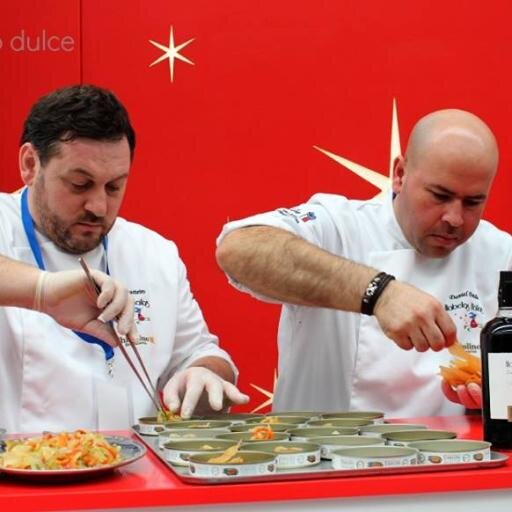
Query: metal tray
[322, 470]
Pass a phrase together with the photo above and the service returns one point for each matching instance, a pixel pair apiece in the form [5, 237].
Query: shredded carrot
[263, 433]
[463, 369]
[65, 450]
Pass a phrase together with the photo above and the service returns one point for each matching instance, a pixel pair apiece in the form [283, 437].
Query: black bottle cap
[505, 290]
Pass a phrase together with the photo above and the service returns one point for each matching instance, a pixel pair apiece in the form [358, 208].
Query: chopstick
[97, 289]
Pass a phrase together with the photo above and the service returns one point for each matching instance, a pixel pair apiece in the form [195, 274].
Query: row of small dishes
[264, 462]
[151, 425]
[351, 440]
[294, 454]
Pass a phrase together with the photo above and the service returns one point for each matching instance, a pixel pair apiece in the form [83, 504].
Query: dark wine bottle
[496, 347]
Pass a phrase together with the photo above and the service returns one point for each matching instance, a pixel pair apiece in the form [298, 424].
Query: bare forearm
[282, 266]
[17, 283]
[279, 265]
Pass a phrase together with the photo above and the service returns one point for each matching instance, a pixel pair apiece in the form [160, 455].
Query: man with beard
[75, 157]
[420, 266]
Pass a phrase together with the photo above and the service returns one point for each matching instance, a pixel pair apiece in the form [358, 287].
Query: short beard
[52, 226]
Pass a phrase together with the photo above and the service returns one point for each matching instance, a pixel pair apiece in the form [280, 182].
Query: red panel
[234, 133]
[39, 51]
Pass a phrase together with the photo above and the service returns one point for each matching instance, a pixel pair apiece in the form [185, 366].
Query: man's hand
[201, 390]
[414, 319]
[469, 396]
[68, 297]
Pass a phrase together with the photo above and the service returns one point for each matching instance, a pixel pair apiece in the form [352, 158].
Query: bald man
[373, 291]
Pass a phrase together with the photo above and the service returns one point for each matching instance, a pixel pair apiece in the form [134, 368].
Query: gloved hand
[469, 396]
[69, 298]
[197, 389]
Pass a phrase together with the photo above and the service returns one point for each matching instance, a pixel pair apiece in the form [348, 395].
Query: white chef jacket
[50, 379]
[335, 360]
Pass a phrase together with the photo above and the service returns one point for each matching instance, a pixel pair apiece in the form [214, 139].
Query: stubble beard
[52, 226]
[436, 251]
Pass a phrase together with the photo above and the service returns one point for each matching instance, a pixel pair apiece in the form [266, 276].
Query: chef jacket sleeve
[310, 221]
[192, 339]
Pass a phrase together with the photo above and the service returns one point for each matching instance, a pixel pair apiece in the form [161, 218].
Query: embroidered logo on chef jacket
[297, 214]
[143, 340]
[141, 306]
[139, 314]
[142, 317]
[467, 312]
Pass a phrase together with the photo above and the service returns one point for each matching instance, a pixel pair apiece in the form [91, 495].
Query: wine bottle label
[500, 385]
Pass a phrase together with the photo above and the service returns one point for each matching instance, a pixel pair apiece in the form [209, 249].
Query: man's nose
[453, 214]
[96, 203]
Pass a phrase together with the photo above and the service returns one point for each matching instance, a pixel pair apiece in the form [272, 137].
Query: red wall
[234, 133]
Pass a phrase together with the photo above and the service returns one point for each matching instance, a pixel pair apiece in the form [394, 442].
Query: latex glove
[414, 319]
[201, 390]
[469, 396]
[69, 298]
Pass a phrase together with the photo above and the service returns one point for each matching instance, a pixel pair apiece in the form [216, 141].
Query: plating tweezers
[123, 350]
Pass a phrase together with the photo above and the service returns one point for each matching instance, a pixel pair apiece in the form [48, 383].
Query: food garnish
[262, 433]
[286, 449]
[463, 369]
[164, 416]
[270, 419]
[228, 456]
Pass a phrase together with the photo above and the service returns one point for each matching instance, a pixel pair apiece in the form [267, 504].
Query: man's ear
[398, 174]
[29, 163]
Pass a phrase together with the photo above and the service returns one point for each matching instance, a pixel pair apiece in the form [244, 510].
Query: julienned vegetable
[463, 369]
[65, 450]
[262, 433]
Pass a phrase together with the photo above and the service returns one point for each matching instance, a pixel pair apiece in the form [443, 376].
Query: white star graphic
[171, 52]
[375, 178]
[268, 394]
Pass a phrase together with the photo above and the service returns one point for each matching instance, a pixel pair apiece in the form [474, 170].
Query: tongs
[123, 350]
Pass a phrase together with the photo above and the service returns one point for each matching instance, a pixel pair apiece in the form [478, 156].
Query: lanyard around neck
[28, 226]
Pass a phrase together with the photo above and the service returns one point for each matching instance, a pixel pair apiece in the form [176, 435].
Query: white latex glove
[194, 388]
[469, 396]
[69, 298]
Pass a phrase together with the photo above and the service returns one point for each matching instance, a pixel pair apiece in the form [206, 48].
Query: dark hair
[72, 112]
